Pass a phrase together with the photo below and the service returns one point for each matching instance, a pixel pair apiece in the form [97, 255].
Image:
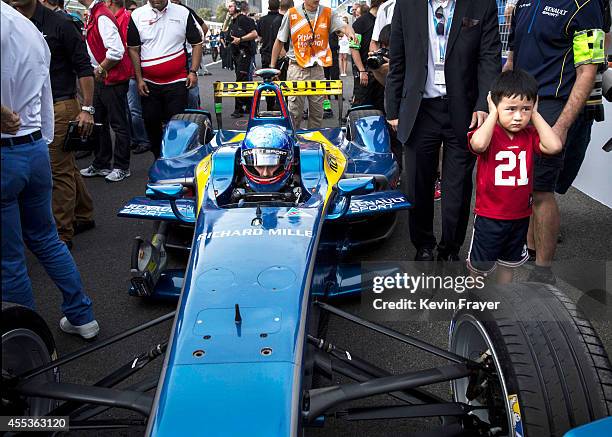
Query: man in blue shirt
[560, 42]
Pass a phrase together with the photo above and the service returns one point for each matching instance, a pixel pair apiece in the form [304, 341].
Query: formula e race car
[249, 353]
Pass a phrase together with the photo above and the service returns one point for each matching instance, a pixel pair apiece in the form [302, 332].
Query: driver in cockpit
[269, 164]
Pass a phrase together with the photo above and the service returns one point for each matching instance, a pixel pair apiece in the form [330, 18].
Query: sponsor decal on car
[517, 422]
[154, 210]
[374, 205]
[295, 212]
[257, 232]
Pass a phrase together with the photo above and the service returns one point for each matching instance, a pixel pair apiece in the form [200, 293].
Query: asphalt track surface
[103, 257]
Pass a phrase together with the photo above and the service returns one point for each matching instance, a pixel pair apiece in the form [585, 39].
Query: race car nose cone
[276, 278]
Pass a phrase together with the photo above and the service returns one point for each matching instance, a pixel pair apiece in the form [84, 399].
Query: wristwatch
[194, 71]
[89, 109]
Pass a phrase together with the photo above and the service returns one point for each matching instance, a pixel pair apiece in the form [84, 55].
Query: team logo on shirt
[553, 12]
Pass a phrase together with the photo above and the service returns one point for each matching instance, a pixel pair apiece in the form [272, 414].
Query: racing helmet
[266, 156]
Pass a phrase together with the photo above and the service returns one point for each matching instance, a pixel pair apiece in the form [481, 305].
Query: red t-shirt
[504, 178]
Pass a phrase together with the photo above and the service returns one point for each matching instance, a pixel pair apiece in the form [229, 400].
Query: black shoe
[328, 113]
[82, 154]
[448, 257]
[236, 115]
[141, 148]
[532, 255]
[81, 226]
[305, 116]
[542, 274]
[424, 254]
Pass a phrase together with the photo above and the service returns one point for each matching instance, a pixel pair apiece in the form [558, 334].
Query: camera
[238, 6]
[376, 59]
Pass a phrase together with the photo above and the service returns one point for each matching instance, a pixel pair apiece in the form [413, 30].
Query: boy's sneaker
[117, 175]
[87, 331]
[91, 171]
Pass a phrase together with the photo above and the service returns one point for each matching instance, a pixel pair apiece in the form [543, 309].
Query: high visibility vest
[309, 52]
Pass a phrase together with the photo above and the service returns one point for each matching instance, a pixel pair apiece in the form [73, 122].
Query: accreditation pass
[34, 423]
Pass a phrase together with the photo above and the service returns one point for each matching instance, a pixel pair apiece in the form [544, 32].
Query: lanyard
[442, 39]
[310, 24]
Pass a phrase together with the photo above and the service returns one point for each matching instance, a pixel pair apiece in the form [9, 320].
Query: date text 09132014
[31, 423]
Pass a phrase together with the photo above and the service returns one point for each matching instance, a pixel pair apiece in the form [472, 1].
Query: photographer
[367, 90]
[241, 31]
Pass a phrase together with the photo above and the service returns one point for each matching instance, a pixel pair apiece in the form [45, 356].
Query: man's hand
[192, 80]
[143, 89]
[236, 40]
[86, 122]
[393, 123]
[100, 74]
[478, 118]
[363, 78]
[10, 121]
[561, 133]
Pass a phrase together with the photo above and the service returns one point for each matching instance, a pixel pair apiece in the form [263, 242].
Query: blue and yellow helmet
[266, 156]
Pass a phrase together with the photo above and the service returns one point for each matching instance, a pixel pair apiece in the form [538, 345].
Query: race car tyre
[27, 343]
[356, 115]
[553, 373]
[205, 129]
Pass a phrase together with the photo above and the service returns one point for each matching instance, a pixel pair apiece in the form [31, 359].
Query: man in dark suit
[443, 57]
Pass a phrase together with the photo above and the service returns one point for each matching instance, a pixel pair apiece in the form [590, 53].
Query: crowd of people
[433, 67]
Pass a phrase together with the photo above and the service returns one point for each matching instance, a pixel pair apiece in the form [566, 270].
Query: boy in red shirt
[505, 144]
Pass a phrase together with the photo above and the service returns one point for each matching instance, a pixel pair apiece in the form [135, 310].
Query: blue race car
[348, 179]
[270, 211]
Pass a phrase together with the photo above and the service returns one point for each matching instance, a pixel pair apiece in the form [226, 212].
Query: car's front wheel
[549, 370]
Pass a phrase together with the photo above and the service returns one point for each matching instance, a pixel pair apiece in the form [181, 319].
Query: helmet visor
[264, 157]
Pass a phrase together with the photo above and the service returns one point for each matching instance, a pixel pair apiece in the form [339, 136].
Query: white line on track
[212, 63]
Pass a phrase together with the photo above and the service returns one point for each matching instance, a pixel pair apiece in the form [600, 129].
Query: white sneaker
[117, 175]
[87, 331]
[91, 171]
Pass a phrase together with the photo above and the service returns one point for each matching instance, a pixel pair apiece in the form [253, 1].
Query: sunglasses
[441, 21]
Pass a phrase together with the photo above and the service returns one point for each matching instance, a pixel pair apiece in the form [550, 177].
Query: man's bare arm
[585, 79]
[276, 49]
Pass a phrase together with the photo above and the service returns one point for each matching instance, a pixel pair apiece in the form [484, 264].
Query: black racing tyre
[546, 354]
[205, 129]
[356, 115]
[27, 343]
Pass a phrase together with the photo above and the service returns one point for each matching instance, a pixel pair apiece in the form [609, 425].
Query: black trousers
[110, 102]
[421, 152]
[371, 94]
[159, 106]
[242, 64]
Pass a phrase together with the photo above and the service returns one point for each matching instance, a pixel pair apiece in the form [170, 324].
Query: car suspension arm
[360, 370]
[406, 411]
[443, 353]
[94, 347]
[119, 375]
[320, 400]
[131, 400]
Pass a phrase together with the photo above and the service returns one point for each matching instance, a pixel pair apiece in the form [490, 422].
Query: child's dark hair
[513, 83]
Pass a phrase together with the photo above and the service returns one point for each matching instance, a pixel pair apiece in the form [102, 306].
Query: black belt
[435, 99]
[63, 98]
[24, 139]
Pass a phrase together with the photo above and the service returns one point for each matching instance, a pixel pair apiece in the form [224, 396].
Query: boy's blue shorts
[496, 242]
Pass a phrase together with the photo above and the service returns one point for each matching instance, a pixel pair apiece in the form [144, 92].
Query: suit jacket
[473, 61]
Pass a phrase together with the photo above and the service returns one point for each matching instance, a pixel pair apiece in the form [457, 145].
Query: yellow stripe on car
[334, 161]
[202, 173]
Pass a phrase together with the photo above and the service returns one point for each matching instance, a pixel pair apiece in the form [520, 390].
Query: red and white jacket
[161, 36]
[102, 22]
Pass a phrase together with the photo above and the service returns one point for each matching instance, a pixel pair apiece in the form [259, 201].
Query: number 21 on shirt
[510, 180]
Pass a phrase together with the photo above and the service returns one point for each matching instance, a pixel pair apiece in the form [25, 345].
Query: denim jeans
[193, 96]
[27, 218]
[138, 131]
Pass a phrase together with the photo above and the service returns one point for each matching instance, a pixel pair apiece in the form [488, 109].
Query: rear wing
[287, 87]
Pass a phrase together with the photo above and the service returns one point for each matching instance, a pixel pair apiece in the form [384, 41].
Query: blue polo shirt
[543, 35]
